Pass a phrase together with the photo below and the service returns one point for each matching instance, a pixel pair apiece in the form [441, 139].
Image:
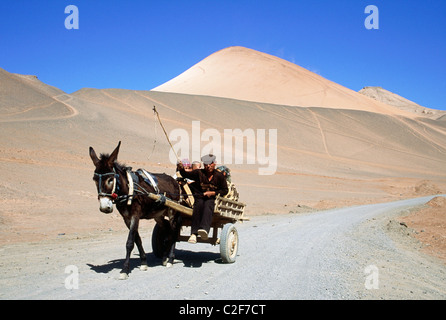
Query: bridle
[113, 194]
[115, 190]
[134, 187]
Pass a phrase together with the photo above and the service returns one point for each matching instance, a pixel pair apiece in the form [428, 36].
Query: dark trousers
[202, 214]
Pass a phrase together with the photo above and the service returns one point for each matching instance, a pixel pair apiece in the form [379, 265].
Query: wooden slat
[226, 208]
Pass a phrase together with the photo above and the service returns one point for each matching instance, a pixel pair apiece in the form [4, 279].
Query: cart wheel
[229, 243]
[159, 241]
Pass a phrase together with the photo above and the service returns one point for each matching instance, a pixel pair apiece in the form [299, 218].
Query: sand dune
[40, 101]
[246, 74]
[402, 103]
[326, 155]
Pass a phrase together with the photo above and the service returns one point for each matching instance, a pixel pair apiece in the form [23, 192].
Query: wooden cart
[226, 213]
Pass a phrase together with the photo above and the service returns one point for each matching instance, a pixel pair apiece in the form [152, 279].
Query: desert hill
[245, 74]
[402, 103]
[326, 156]
[24, 97]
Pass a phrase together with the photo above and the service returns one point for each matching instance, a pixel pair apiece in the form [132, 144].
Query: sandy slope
[428, 225]
[27, 98]
[245, 74]
[402, 103]
[325, 157]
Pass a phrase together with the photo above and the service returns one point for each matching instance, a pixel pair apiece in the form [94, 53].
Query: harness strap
[114, 181]
[151, 179]
[131, 188]
[133, 180]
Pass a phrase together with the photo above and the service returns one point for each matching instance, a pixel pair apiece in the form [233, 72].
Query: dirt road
[350, 253]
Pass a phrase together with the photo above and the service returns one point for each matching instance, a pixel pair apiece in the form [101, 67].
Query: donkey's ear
[114, 155]
[94, 157]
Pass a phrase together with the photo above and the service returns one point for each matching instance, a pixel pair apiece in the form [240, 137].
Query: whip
[165, 133]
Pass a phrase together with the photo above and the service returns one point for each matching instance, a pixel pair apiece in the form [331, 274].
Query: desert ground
[335, 147]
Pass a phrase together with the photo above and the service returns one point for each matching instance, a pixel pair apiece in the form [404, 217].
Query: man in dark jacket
[210, 184]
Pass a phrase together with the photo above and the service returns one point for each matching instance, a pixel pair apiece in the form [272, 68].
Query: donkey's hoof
[143, 267]
[169, 265]
[164, 262]
[123, 276]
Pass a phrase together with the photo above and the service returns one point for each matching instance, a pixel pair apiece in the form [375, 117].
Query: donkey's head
[105, 178]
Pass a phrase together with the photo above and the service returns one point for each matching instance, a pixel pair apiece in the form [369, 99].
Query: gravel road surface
[350, 253]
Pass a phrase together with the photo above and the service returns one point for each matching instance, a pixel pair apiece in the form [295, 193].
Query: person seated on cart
[211, 184]
[232, 190]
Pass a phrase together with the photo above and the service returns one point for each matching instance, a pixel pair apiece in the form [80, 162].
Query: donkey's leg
[166, 241]
[171, 255]
[175, 228]
[142, 254]
[133, 230]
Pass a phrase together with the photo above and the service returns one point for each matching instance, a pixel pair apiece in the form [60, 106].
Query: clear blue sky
[140, 44]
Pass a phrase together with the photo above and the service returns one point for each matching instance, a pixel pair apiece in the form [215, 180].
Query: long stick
[172, 204]
[165, 133]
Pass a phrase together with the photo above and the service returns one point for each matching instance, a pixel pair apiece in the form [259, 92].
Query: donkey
[114, 187]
